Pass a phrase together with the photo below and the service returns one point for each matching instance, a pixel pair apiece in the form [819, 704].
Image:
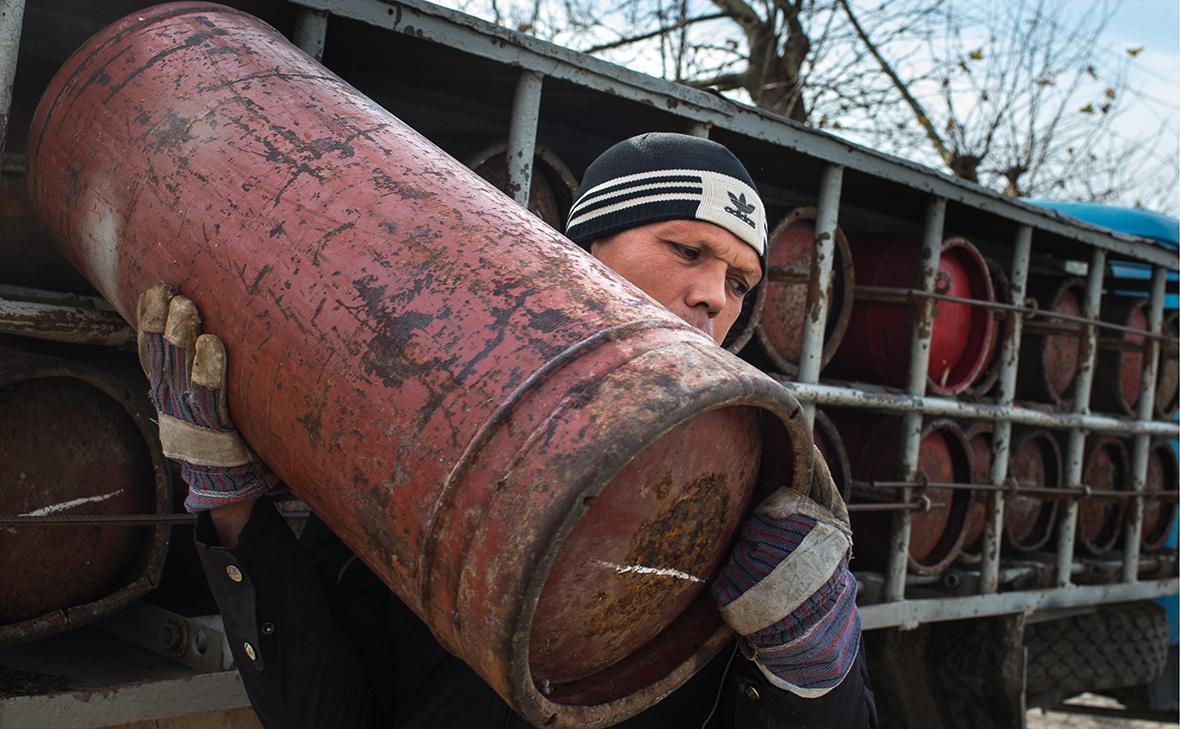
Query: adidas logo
[741, 209]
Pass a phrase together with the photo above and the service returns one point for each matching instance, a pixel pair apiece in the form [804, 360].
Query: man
[320, 642]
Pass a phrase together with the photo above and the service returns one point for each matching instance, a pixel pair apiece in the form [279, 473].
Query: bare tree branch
[658, 32]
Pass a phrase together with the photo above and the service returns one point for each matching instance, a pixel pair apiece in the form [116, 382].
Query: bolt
[171, 637]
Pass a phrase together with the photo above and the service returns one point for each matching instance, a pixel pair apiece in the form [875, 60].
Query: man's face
[698, 270]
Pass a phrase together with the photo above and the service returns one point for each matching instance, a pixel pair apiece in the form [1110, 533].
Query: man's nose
[708, 292]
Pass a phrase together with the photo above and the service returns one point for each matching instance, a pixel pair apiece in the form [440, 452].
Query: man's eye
[739, 287]
[688, 252]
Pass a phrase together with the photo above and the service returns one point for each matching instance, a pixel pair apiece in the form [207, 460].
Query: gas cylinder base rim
[700, 624]
[534, 703]
[1047, 516]
[981, 342]
[1113, 511]
[1153, 540]
[1002, 291]
[950, 545]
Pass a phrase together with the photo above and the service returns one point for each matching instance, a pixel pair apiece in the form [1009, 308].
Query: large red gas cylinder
[937, 534]
[876, 346]
[541, 462]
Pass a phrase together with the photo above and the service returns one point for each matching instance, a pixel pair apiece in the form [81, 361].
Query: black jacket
[321, 643]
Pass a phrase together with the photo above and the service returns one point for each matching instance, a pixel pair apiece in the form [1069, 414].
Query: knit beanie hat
[662, 176]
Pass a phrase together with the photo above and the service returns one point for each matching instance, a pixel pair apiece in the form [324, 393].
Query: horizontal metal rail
[903, 295]
[852, 397]
[919, 505]
[58, 323]
[1059, 492]
[911, 613]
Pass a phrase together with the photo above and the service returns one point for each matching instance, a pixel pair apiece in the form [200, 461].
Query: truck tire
[1116, 646]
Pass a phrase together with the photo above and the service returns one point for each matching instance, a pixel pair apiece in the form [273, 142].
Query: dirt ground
[1062, 720]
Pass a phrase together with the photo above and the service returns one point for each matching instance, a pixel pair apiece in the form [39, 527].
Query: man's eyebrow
[748, 271]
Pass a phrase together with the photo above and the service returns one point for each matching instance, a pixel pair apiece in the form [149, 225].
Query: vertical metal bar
[311, 30]
[911, 434]
[815, 323]
[12, 13]
[1076, 449]
[1002, 430]
[699, 129]
[1141, 443]
[522, 135]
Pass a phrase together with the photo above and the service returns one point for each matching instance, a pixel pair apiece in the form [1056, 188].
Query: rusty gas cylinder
[1119, 363]
[1162, 475]
[979, 438]
[544, 465]
[831, 447]
[75, 440]
[876, 345]
[1002, 289]
[936, 535]
[1167, 379]
[1049, 347]
[551, 188]
[1100, 518]
[1035, 462]
[780, 305]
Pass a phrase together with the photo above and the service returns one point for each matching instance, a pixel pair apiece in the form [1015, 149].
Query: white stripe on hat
[638, 177]
[586, 200]
[726, 201]
[665, 197]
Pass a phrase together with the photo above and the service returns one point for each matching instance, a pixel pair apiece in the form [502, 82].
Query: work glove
[787, 590]
[186, 370]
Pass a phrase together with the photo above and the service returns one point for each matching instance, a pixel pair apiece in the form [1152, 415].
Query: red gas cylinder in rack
[1100, 518]
[551, 187]
[499, 426]
[979, 438]
[876, 346]
[1162, 475]
[780, 305]
[1167, 379]
[936, 535]
[831, 447]
[1002, 290]
[1049, 347]
[1119, 364]
[1034, 460]
[76, 440]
